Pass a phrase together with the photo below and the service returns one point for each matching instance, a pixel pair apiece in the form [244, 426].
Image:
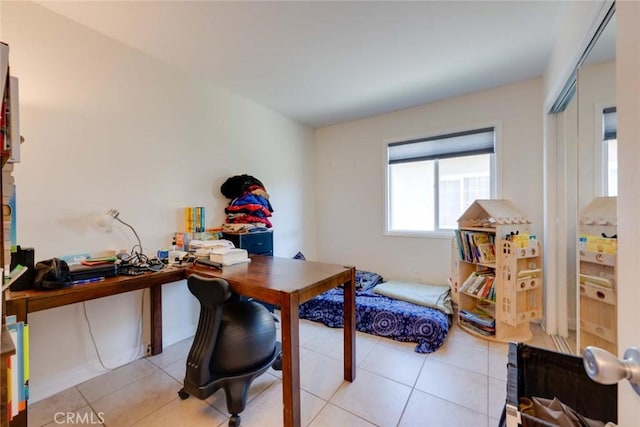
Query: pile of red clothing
[249, 201]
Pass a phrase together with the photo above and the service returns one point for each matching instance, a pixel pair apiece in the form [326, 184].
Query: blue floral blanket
[383, 316]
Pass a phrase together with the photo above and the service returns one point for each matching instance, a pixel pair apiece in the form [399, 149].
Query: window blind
[610, 123]
[468, 143]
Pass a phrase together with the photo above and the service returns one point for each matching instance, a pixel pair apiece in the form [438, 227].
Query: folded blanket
[383, 316]
[434, 296]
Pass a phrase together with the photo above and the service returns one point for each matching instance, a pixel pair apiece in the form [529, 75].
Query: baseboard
[63, 380]
[79, 374]
[177, 335]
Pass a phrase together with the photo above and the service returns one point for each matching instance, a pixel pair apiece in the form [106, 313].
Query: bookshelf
[496, 275]
[597, 278]
[11, 355]
[7, 349]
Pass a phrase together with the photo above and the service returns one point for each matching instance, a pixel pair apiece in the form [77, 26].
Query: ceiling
[327, 62]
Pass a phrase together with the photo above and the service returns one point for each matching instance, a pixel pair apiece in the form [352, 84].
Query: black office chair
[235, 342]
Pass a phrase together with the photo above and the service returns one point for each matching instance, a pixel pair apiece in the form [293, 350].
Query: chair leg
[236, 393]
[234, 421]
[183, 394]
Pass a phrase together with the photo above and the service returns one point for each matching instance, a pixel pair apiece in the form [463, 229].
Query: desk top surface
[262, 274]
[165, 275]
[265, 277]
[284, 274]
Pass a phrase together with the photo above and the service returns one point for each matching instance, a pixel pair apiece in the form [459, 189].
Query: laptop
[82, 272]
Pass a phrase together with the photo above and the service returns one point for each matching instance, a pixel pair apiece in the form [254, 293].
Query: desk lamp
[106, 221]
[137, 260]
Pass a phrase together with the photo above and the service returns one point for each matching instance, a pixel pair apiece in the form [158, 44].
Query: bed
[380, 315]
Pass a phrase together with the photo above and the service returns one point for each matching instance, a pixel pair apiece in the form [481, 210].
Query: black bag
[52, 274]
[235, 186]
[24, 257]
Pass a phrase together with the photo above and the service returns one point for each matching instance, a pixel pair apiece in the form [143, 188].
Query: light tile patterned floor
[462, 384]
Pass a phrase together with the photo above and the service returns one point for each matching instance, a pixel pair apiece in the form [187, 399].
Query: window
[610, 151]
[432, 181]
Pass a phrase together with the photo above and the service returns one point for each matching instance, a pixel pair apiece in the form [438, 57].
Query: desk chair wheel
[277, 363]
[183, 394]
[234, 421]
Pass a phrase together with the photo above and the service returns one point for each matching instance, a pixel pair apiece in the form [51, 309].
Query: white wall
[350, 174]
[571, 41]
[107, 127]
[596, 91]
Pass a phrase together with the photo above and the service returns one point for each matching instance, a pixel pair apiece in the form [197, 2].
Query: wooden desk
[280, 281]
[288, 283]
[24, 302]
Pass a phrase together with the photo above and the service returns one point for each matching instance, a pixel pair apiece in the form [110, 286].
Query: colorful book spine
[14, 226]
[188, 219]
[202, 216]
[19, 374]
[26, 362]
[194, 219]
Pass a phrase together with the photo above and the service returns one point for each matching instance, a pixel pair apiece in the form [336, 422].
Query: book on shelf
[479, 283]
[586, 279]
[487, 253]
[598, 244]
[521, 240]
[459, 245]
[487, 287]
[478, 328]
[475, 246]
[467, 283]
[18, 367]
[478, 317]
[529, 274]
[492, 294]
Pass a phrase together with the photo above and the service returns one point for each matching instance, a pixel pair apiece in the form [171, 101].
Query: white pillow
[434, 296]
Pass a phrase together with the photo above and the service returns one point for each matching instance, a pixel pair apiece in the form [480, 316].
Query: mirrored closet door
[586, 167]
[596, 299]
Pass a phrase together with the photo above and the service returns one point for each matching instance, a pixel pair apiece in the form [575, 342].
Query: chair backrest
[212, 294]
[210, 291]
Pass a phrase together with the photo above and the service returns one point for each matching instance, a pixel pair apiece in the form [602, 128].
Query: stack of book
[476, 246]
[17, 368]
[229, 256]
[202, 248]
[478, 320]
[8, 212]
[182, 239]
[480, 284]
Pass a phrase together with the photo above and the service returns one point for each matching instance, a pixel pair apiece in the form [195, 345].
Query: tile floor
[462, 384]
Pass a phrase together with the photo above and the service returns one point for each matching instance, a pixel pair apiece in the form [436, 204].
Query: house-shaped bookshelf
[598, 247]
[507, 266]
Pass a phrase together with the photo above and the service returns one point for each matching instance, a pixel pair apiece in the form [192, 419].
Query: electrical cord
[95, 345]
[139, 339]
[141, 262]
[137, 259]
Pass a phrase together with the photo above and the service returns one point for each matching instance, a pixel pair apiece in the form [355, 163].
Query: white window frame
[495, 177]
[604, 150]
